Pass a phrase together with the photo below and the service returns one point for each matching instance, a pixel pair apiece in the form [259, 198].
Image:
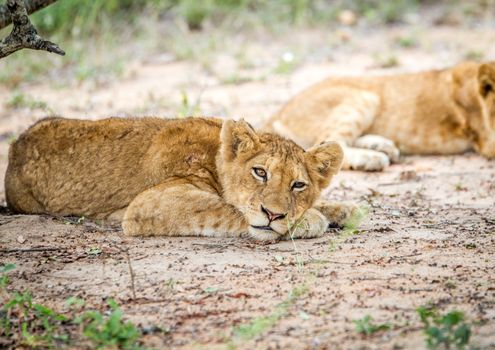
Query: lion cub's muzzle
[271, 216]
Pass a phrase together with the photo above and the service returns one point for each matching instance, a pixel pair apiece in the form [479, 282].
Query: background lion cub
[193, 176]
[443, 111]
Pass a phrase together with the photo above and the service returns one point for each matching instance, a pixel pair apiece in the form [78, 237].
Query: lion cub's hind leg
[346, 123]
[380, 144]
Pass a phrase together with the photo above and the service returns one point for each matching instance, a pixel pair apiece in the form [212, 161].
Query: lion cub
[185, 177]
[436, 112]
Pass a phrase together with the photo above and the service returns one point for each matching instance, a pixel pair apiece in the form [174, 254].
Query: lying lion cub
[443, 111]
[192, 176]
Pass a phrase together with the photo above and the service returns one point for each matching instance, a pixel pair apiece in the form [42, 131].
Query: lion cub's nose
[272, 216]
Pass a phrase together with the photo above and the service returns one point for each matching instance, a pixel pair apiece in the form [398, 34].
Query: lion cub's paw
[313, 224]
[380, 144]
[337, 213]
[365, 160]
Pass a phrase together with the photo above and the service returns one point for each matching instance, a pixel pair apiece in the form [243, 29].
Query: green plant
[109, 331]
[385, 11]
[406, 41]
[261, 324]
[19, 100]
[93, 251]
[194, 12]
[4, 279]
[448, 330]
[77, 18]
[474, 55]
[355, 220]
[35, 324]
[75, 302]
[286, 64]
[74, 220]
[350, 227]
[387, 61]
[367, 327]
[188, 108]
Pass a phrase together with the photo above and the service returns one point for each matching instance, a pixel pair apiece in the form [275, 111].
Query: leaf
[303, 315]
[462, 334]
[113, 304]
[452, 318]
[75, 301]
[94, 251]
[210, 290]
[7, 267]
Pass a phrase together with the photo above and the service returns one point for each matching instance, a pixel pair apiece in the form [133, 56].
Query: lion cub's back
[61, 165]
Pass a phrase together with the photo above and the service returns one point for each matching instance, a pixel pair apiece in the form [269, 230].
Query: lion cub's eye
[260, 174]
[298, 186]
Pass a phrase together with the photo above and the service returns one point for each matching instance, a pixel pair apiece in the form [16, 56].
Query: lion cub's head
[271, 180]
[485, 142]
[476, 94]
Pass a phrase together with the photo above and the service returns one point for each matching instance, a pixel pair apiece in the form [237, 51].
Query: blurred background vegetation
[89, 30]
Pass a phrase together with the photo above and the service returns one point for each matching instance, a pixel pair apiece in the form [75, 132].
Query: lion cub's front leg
[311, 225]
[337, 213]
[315, 222]
[182, 209]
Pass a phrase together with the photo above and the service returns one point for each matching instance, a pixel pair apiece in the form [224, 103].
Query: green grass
[260, 325]
[4, 278]
[351, 227]
[19, 100]
[474, 55]
[366, 326]
[386, 11]
[444, 331]
[109, 331]
[387, 61]
[33, 325]
[407, 41]
[286, 64]
[189, 108]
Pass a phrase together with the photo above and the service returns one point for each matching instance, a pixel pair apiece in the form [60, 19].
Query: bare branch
[31, 6]
[23, 34]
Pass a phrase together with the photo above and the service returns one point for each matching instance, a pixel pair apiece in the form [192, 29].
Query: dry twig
[131, 272]
[31, 7]
[30, 250]
[23, 35]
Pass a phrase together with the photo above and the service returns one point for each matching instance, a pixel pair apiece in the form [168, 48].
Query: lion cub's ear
[486, 78]
[327, 159]
[238, 138]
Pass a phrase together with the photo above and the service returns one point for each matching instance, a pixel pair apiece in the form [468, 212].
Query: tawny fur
[445, 111]
[190, 176]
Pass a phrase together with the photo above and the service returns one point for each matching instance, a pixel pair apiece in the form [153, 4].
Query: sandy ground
[429, 236]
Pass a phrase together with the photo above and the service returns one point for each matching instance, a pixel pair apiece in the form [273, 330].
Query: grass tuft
[367, 327]
[260, 325]
[446, 331]
[28, 324]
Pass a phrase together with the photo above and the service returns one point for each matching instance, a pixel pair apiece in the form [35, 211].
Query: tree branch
[24, 35]
[31, 6]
